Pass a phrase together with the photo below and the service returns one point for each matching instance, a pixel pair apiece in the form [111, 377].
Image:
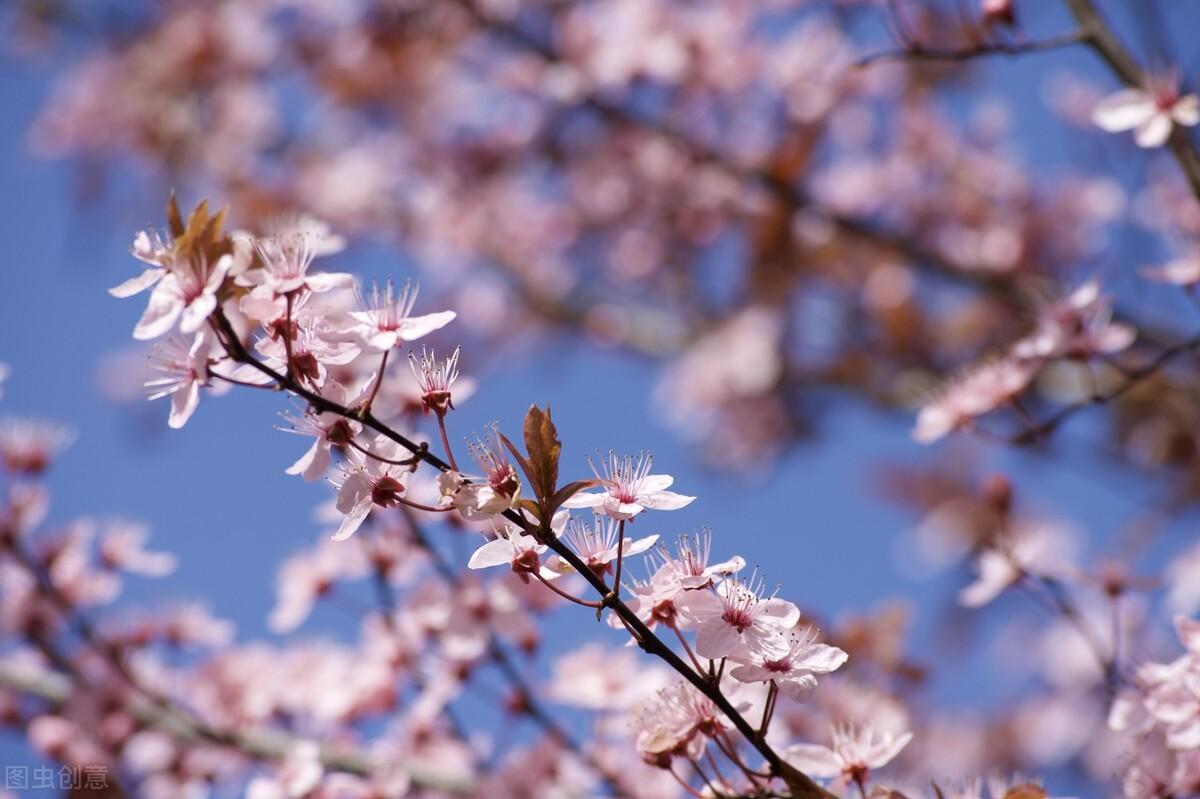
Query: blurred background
[645, 215]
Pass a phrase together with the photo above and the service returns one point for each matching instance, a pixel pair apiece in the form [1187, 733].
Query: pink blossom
[978, 391]
[596, 544]
[1183, 271]
[185, 292]
[794, 667]
[387, 319]
[435, 379]
[676, 722]
[499, 488]
[367, 482]
[629, 488]
[1151, 113]
[735, 619]
[121, 547]
[852, 754]
[285, 259]
[329, 430]
[182, 369]
[28, 446]
[1077, 326]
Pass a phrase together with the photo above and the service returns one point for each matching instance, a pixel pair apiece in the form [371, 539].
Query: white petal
[777, 612]
[1124, 110]
[137, 284]
[325, 281]
[665, 500]
[582, 500]
[494, 553]
[813, 760]
[821, 658]
[199, 309]
[353, 520]
[161, 312]
[653, 483]
[415, 327]
[1154, 132]
[312, 464]
[886, 753]
[183, 404]
[716, 639]
[1186, 111]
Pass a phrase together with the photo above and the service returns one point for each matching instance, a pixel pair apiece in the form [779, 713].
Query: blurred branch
[918, 52]
[268, 745]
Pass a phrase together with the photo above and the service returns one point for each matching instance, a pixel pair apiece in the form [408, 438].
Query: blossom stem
[688, 649]
[366, 406]
[620, 558]
[768, 708]
[684, 784]
[585, 602]
[237, 382]
[422, 506]
[287, 337]
[441, 417]
[402, 462]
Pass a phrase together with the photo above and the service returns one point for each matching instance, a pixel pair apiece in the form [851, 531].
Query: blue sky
[216, 495]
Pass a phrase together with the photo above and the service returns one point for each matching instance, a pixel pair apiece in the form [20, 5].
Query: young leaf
[543, 446]
[174, 218]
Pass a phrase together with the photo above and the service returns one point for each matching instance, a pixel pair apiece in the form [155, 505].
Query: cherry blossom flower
[435, 379]
[152, 248]
[735, 618]
[328, 430]
[497, 491]
[629, 488]
[387, 319]
[367, 482]
[1183, 582]
[1078, 326]
[1183, 271]
[1151, 112]
[28, 446]
[517, 550]
[182, 369]
[978, 391]
[308, 575]
[1029, 548]
[793, 669]
[852, 754]
[121, 547]
[185, 293]
[675, 722]
[285, 259]
[689, 567]
[596, 544]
